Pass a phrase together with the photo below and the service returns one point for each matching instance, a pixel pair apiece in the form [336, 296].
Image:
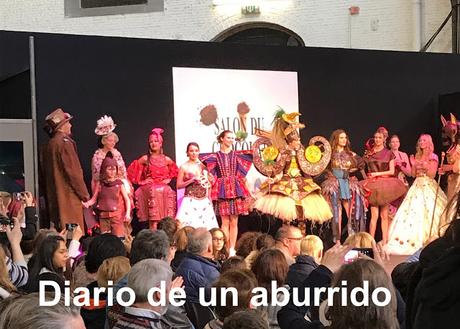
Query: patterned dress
[340, 186]
[412, 225]
[196, 209]
[229, 189]
[155, 200]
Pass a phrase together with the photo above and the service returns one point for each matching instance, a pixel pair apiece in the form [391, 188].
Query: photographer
[22, 207]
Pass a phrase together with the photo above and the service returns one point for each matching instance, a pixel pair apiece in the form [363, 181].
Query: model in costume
[155, 199]
[61, 172]
[229, 190]
[290, 193]
[113, 206]
[341, 189]
[381, 187]
[414, 223]
[196, 208]
[451, 130]
[106, 143]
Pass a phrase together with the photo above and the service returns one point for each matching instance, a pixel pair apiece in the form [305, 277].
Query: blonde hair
[419, 152]
[311, 245]
[359, 240]
[5, 281]
[112, 269]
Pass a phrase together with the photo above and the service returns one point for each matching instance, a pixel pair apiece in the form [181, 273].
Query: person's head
[248, 319]
[16, 210]
[264, 241]
[58, 120]
[424, 145]
[181, 238]
[244, 282]
[169, 226]
[270, 265]
[146, 274]
[101, 248]
[380, 136]
[372, 316]
[394, 143]
[226, 138]
[219, 244]
[246, 243]
[200, 242]
[148, 244]
[289, 237]
[193, 151]
[234, 263]
[359, 240]
[339, 138]
[156, 140]
[52, 254]
[24, 312]
[5, 281]
[108, 141]
[109, 167]
[312, 246]
[112, 269]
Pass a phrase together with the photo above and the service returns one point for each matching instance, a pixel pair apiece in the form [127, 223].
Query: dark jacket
[197, 272]
[94, 314]
[300, 270]
[178, 257]
[437, 296]
[29, 232]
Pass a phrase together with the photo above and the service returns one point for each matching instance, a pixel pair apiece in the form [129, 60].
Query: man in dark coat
[62, 175]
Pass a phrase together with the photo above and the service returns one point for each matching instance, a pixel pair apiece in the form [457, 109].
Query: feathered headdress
[104, 126]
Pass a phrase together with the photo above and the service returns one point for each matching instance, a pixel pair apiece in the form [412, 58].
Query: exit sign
[250, 10]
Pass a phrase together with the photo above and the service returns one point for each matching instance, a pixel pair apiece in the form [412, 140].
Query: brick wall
[388, 24]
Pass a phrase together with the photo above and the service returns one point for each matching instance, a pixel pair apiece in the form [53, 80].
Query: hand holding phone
[353, 254]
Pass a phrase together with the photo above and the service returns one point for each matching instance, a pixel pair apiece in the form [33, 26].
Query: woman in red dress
[155, 199]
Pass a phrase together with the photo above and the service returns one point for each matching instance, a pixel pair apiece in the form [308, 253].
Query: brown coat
[62, 179]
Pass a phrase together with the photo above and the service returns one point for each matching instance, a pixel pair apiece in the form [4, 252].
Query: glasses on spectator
[217, 239]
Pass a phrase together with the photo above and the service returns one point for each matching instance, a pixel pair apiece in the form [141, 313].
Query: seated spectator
[359, 240]
[288, 242]
[219, 245]
[169, 226]
[6, 286]
[198, 268]
[246, 243]
[111, 269]
[311, 252]
[144, 275]
[24, 312]
[50, 263]
[244, 282]
[180, 241]
[270, 266]
[234, 263]
[263, 241]
[149, 245]
[14, 259]
[249, 319]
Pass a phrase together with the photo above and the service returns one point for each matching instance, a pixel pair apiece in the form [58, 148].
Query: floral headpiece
[105, 125]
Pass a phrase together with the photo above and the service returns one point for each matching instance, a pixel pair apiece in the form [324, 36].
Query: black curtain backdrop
[131, 80]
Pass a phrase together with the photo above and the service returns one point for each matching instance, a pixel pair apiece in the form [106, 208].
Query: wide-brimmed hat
[56, 119]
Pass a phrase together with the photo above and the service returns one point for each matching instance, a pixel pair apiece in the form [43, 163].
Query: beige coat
[62, 181]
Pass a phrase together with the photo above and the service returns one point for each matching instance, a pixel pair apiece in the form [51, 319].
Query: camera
[70, 226]
[4, 222]
[353, 254]
[18, 196]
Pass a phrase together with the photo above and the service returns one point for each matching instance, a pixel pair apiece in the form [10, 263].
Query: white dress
[196, 209]
[412, 225]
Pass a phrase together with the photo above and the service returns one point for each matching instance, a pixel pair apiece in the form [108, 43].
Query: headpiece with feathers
[105, 125]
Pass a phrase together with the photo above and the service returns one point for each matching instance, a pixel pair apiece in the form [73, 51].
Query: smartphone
[353, 254]
[70, 226]
[4, 222]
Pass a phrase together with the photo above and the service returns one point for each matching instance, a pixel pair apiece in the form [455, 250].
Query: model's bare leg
[233, 230]
[373, 223]
[226, 227]
[384, 216]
